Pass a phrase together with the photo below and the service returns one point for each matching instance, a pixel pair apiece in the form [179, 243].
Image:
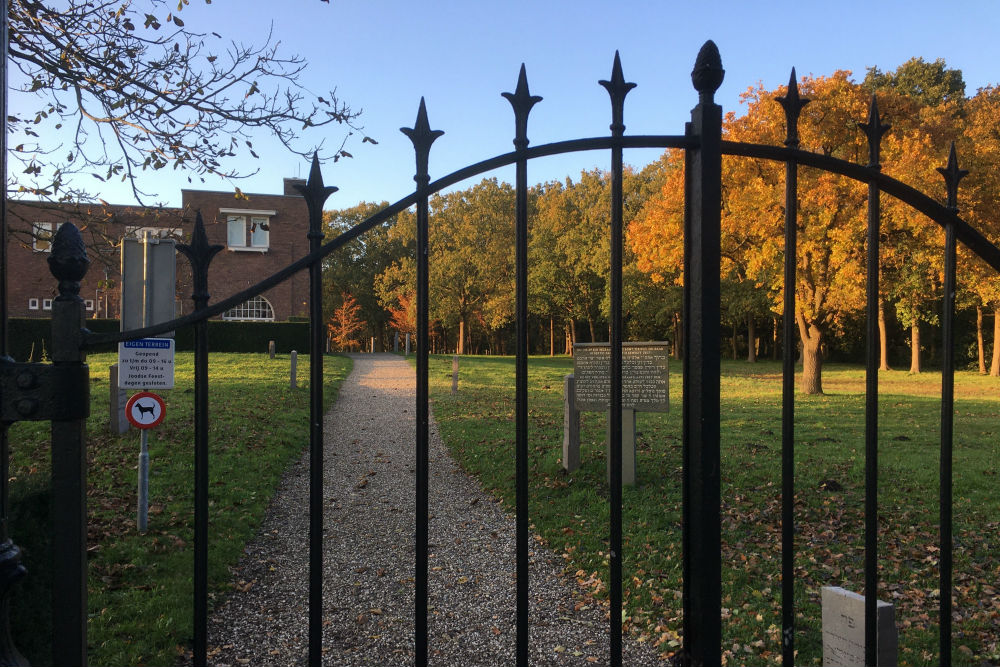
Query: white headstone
[844, 629]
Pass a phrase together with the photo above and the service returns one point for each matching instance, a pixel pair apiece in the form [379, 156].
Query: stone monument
[844, 629]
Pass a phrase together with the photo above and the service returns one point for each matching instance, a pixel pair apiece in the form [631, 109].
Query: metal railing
[704, 147]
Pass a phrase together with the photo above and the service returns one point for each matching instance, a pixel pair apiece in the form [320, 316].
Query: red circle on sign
[152, 406]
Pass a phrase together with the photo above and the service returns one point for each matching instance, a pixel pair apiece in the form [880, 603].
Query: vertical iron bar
[874, 130]
[952, 175]
[315, 193]
[792, 104]
[702, 363]
[422, 137]
[68, 263]
[522, 102]
[200, 254]
[617, 88]
[685, 392]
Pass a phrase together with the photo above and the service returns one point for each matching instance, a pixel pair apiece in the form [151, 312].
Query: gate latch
[43, 392]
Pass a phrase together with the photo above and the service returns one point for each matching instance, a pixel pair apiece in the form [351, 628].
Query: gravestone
[270, 348]
[645, 387]
[844, 629]
[407, 345]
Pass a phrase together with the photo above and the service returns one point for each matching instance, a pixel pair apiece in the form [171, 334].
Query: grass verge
[140, 585]
[570, 512]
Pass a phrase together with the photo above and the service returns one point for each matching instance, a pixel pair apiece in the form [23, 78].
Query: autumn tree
[345, 325]
[118, 89]
[355, 267]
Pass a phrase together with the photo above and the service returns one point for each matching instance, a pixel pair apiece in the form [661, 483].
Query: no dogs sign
[145, 410]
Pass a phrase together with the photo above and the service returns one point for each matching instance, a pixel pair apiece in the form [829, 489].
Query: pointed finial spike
[792, 104]
[422, 137]
[522, 101]
[952, 175]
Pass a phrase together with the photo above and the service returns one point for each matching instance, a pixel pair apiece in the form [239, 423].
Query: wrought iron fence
[703, 145]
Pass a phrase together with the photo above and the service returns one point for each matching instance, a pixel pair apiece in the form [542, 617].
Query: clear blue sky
[382, 56]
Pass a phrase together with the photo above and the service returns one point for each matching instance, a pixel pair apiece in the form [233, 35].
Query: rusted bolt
[26, 380]
[27, 407]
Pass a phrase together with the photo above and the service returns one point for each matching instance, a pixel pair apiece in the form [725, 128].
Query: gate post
[702, 560]
[68, 263]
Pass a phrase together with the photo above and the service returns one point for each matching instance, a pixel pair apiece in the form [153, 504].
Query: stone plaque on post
[645, 387]
[844, 629]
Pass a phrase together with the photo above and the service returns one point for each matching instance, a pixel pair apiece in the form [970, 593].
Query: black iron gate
[58, 392]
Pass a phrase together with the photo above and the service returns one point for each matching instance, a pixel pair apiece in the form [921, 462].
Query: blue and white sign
[146, 363]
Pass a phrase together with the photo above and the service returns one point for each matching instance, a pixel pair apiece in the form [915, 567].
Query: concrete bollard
[571, 426]
[295, 363]
[407, 344]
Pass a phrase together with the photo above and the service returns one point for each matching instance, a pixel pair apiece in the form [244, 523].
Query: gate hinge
[42, 392]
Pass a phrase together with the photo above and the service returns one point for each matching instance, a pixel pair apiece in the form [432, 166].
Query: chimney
[290, 184]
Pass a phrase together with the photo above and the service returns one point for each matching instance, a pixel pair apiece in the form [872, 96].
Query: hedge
[30, 338]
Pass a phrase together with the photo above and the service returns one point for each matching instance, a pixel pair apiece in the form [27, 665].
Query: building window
[46, 304]
[236, 226]
[41, 236]
[248, 230]
[32, 304]
[258, 308]
[134, 232]
[89, 303]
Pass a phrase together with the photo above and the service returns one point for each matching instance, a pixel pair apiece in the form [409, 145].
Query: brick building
[261, 234]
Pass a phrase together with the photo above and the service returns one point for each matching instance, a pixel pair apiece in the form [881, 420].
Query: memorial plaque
[645, 376]
[844, 629]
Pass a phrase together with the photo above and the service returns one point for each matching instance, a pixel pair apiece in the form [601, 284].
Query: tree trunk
[979, 339]
[995, 366]
[460, 347]
[735, 352]
[812, 360]
[883, 340]
[915, 346]
[593, 336]
[774, 341]
[552, 337]
[570, 334]
[751, 340]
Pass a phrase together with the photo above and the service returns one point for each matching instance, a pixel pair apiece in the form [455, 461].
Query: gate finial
[707, 74]
[199, 254]
[874, 129]
[315, 194]
[522, 101]
[792, 105]
[617, 88]
[422, 137]
[952, 175]
[68, 261]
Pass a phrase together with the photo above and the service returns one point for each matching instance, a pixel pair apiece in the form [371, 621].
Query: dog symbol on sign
[145, 410]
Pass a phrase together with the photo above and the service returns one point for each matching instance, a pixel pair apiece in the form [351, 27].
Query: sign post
[149, 278]
[144, 410]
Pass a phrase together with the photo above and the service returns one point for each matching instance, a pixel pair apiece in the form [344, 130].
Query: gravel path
[368, 586]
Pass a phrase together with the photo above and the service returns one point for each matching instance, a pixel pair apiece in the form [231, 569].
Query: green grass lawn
[140, 586]
[570, 512]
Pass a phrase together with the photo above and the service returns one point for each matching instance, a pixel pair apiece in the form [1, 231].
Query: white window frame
[46, 304]
[88, 304]
[250, 237]
[236, 232]
[42, 234]
[136, 232]
[255, 309]
[32, 304]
